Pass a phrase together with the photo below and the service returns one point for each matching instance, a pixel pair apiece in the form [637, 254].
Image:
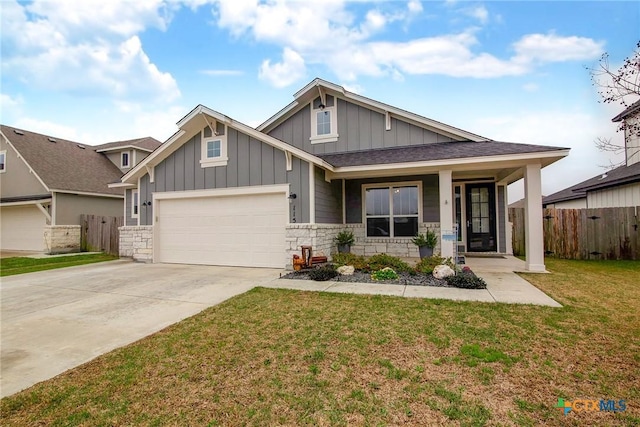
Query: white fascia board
[86, 193]
[488, 162]
[121, 185]
[222, 192]
[123, 147]
[46, 187]
[26, 202]
[135, 173]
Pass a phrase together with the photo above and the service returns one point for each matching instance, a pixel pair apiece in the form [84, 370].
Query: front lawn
[280, 357]
[20, 265]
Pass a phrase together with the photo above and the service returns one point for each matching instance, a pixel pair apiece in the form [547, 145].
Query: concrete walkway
[503, 285]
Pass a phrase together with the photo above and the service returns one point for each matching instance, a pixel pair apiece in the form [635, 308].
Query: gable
[358, 128]
[17, 180]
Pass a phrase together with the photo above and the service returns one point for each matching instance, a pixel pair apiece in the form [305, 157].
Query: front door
[481, 218]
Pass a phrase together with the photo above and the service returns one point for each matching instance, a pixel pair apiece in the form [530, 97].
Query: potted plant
[344, 240]
[425, 243]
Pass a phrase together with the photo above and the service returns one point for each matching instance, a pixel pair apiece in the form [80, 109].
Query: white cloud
[554, 48]
[414, 6]
[479, 12]
[86, 47]
[283, 73]
[325, 33]
[47, 127]
[8, 102]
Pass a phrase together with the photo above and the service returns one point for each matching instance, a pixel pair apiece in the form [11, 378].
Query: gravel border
[360, 277]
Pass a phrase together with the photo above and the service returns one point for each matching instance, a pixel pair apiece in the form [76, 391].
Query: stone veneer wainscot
[137, 242]
[61, 239]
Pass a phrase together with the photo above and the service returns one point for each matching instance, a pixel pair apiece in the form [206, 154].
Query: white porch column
[534, 244]
[446, 212]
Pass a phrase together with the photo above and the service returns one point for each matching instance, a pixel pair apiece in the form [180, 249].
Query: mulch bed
[360, 277]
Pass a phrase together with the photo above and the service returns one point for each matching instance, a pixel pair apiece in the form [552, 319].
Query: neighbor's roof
[633, 108]
[570, 193]
[436, 151]
[64, 165]
[145, 144]
[618, 176]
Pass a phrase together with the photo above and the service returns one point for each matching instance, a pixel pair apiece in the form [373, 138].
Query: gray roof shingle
[621, 175]
[146, 143]
[436, 151]
[63, 165]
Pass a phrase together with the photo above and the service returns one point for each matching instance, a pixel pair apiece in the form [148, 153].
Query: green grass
[280, 357]
[21, 265]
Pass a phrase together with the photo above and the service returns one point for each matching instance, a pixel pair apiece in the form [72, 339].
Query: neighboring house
[220, 192]
[619, 187]
[46, 183]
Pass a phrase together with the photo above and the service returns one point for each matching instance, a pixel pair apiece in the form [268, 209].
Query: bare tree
[621, 86]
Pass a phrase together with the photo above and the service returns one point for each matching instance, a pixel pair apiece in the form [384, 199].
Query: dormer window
[125, 158]
[324, 126]
[214, 146]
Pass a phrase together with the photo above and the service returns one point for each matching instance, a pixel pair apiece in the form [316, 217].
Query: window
[214, 146]
[458, 198]
[323, 121]
[392, 211]
[3, 161]
[135, 204]
[124, 159]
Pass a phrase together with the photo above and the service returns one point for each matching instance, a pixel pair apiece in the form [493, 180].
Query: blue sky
[98, 71]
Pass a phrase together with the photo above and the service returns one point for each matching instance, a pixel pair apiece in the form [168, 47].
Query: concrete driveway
[55, 320]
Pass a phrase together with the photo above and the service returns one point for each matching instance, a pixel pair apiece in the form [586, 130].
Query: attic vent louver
[19, 132]
[51, 139]
[81, 146]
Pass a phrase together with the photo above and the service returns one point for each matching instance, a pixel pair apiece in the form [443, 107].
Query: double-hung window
[324, 126]
[214, 146]
[125, 159]
[135, 204]
[392, 210]
[3, 161]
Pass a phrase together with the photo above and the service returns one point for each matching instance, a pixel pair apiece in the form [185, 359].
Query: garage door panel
[22, 228]
[245, 230]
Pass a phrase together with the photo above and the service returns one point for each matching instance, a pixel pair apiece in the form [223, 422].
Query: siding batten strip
[312, 194]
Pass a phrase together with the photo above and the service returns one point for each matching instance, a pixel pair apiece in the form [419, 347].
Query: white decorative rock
[442, 271]
[346, 270]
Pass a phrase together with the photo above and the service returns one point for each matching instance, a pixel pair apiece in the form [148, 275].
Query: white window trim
[206, 162]
[417, 184]
[122, 165]
[331, 137]
[135, 215]
[4, 153]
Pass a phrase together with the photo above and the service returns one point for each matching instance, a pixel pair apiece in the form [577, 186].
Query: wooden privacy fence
[602, 233]
[100, 233]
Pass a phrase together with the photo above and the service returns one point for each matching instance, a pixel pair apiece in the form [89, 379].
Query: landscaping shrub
[322, 274]
[380, 261]
[357, 261]
[466, 281]
[384, 274]
[426, 265]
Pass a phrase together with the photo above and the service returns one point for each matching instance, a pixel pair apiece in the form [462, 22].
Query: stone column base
[136, 242]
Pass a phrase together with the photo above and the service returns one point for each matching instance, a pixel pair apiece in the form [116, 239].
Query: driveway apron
[55, 320]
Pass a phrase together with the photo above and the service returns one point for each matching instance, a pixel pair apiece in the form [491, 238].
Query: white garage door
[244, 230]
[22, 228]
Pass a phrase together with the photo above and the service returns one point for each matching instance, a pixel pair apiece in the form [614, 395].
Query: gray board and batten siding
[328, 199]
[359, 128]
[251, 163]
